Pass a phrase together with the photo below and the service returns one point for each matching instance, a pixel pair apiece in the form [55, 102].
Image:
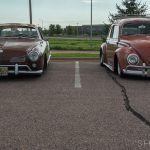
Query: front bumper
[137, 70]
[21, 69]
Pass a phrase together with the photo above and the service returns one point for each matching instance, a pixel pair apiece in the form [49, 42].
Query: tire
[101, 58]
[45, 64]
[119, 71]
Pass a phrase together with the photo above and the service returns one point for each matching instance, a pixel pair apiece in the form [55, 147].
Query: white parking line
[77, 75]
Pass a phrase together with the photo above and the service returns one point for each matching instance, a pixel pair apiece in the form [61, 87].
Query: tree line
[84, 30]
[58, 30]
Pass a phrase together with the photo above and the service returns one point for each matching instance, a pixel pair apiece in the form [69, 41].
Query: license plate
[148, 72]
[3, 71]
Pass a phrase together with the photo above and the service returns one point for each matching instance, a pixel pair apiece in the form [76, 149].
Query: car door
[112, 42]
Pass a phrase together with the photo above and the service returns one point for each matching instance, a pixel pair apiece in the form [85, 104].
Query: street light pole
[91, 23]
[30, 11]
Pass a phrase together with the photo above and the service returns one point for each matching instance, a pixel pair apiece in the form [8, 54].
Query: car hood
[12, 49]
[18, 44]
[141, 45]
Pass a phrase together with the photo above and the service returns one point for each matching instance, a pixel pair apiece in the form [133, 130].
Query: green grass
[74, 55]
[74, 44]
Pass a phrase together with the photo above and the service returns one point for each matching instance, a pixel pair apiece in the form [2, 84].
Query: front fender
[103, 51]
[122, 54]
[103, 47]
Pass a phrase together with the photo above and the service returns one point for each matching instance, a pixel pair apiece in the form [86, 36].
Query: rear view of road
[73, 106]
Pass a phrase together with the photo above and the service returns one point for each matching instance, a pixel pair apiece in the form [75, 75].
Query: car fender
[103, 50]
[121, 55]
[103, 47]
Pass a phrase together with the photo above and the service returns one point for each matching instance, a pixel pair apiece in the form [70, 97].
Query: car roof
[18, 24]
[127, 20]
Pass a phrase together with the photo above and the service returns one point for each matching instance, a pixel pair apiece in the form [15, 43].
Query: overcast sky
[63, 12]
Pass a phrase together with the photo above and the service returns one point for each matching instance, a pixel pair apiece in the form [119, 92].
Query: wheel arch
[102, 50]
[103, 47]
[115, 62]
[121, 57]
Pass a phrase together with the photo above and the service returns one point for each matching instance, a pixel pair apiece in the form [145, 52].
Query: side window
[114, 32]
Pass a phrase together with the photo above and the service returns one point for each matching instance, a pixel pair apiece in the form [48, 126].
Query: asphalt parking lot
[75, 105]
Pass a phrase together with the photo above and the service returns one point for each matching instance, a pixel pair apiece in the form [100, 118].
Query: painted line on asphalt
[77, 75]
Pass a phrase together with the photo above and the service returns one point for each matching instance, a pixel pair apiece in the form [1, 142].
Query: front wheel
[45, 64]
[119, 71]
[101, 58]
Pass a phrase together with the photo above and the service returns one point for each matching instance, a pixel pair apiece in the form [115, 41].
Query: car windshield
[136, 28]
[25, 32]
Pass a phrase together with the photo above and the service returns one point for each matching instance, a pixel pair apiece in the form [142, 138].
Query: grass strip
[74, 55]
[74, 44]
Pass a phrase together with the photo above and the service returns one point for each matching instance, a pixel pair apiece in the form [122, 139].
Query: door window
[114, 32]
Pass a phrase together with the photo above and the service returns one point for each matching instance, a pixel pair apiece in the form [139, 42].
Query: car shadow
[128, 77]
[136, 78]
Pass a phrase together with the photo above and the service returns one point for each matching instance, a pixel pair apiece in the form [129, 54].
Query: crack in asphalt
[127, 101]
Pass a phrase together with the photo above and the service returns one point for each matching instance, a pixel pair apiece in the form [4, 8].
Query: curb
[74, 51]
[75, 59]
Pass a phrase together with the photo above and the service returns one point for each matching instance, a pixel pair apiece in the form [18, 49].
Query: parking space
[75, 105]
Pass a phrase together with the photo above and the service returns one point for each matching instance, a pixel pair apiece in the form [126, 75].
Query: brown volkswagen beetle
[127, 48]
[23, 50]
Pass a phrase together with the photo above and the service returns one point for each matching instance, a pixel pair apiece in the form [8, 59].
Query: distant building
[96, 29]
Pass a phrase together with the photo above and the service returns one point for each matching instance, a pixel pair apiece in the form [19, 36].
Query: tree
[51, 29]
[58, 29]
[45, 32]
[70, 30]
[130, 7]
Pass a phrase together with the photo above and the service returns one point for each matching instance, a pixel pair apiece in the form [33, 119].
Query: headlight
[34, 54]
[133, 59]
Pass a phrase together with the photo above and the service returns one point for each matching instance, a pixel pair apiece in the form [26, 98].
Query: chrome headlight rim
[33, 56]
[133, 59]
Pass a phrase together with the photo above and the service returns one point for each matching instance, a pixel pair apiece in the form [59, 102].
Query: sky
[63, 12]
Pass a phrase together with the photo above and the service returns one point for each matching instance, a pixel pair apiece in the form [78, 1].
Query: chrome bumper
[137, 70]
[18, 69]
